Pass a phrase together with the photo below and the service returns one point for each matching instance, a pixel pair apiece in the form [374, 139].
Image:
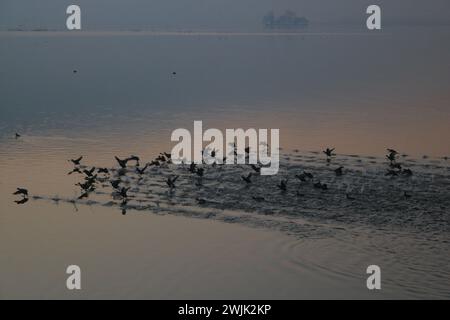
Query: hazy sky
[129, 14]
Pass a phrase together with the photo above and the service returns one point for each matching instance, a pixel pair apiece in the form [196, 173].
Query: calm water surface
[357, 92]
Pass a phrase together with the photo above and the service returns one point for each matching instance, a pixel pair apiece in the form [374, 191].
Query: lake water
[357, 91]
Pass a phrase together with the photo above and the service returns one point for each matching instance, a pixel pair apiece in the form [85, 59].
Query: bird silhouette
[154, 163]
[122, 163]
[115, 183]
[258, 198]
[90, 172]
[339, 171]
[392, 151]
[304, 176]
[192, 167]
[17, 135]
[407, 172]
[319, 185]
[200, 172]
[76, 161]
[391, 173]
[329, 152]
[349, 197]
[84, 195]
[171, 181]
[201, 200]
[21, 191]
[256, 168]
[75, 170]
[91, 179]
[247, 178]
[161, 158]
[103, 170]
[391, 156]
[141, 171]
[308, 175]
[134, 158]
[123, 192]
[283, 185]
[85, 186]
[21, 201]
[123, 206]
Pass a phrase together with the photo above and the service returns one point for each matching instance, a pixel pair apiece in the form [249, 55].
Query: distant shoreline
[293, 32]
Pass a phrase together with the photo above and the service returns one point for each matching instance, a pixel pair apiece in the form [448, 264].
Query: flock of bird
[92, 176]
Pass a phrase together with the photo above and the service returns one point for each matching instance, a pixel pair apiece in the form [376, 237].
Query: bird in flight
[122, 163]
[329, 152]
[21, 201]
[76, 161]
[75, 170]
[141, 171]
[21, 191]
[90, 172]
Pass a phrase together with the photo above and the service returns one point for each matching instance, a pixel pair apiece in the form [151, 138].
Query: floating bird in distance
[407, 172]
[319, 185]
[258, 198]
[283, 185]
[201, 200]
[349, 197]
[200, 172]
[247, 178]
[339, 171]
[391, 173]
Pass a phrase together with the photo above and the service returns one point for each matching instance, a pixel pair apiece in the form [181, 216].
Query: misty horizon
[216, 14]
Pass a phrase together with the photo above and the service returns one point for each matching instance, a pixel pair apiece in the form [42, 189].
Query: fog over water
[212, 14]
